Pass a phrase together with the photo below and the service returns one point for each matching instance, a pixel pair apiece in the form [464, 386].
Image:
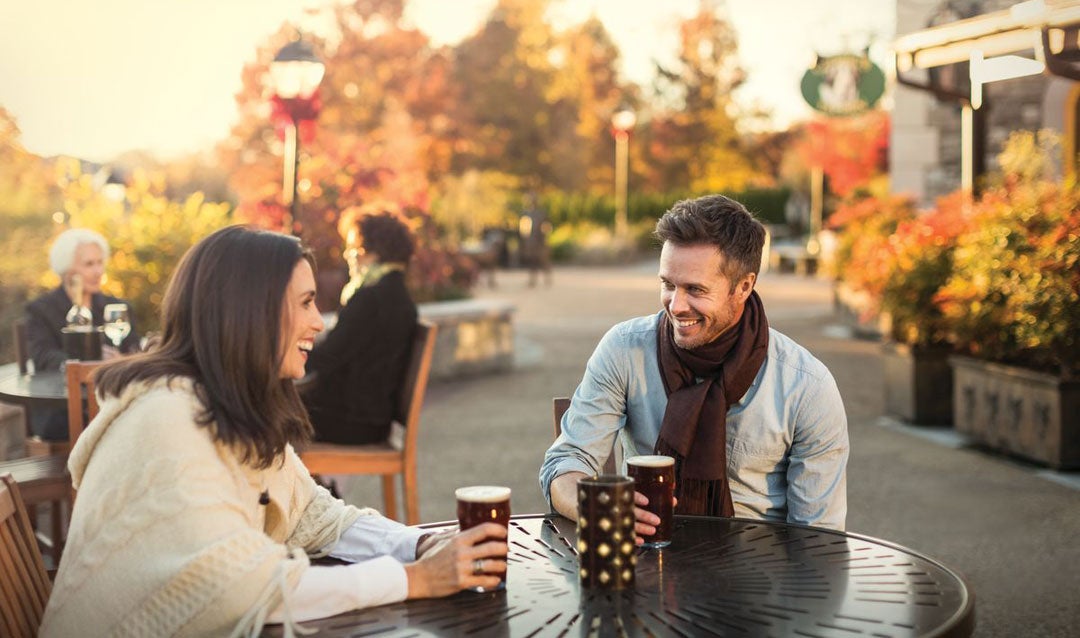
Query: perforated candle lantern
[606, 552]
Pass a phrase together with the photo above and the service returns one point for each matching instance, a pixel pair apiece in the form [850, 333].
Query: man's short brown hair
[721, 222]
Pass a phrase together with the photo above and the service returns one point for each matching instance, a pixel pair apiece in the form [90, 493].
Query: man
[755, 423]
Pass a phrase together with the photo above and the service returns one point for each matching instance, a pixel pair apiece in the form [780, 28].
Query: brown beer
[654, 476]
[479, 504]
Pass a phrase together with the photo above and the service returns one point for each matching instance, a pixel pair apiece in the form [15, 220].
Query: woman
[76, 254]
[360, 365]
[194, 514]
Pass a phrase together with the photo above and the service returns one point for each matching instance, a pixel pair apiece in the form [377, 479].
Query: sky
[94, 79]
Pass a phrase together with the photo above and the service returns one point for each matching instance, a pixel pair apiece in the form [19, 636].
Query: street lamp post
[295, 75]
[622, 122]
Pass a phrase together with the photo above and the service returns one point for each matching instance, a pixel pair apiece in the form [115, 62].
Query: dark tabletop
[31, 390]
[719, 577]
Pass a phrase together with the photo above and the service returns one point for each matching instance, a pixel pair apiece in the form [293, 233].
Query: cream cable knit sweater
[168, 536]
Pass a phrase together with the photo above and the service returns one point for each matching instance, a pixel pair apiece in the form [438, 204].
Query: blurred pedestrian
[534, 229]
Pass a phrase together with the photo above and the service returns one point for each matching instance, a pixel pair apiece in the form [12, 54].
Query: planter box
[851, 307]
[918, 384]
[1016, 410]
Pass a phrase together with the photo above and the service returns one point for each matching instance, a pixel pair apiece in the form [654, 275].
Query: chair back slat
[559, 406]
[24, 585]
[414, 385]
[82, 401]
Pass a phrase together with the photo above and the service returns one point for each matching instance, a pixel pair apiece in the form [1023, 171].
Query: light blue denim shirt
[787, 442]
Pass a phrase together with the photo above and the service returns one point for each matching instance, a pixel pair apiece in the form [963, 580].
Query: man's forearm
[564, 493]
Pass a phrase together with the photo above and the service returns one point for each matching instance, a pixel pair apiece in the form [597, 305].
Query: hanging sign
[845, 84]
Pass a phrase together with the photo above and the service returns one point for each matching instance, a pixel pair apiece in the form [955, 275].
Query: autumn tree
[517, 120]
[382, 132]
[589, 78]
[693, 139]
[147, 232]
[28, 198]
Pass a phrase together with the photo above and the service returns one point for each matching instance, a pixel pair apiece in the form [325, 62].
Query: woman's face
[300, 321]
[89, 263]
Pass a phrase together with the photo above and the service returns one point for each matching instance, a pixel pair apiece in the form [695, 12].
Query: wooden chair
[386, 459]
[559, 406]
[24, 584]
[45, 479]
[82, 401]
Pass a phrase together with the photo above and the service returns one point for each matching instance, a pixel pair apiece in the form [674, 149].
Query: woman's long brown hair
[221, 321]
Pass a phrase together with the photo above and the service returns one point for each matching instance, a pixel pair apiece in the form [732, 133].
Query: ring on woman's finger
[478, 566]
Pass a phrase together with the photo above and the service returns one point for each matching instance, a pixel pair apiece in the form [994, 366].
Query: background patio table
[718, 577]
[41, 389]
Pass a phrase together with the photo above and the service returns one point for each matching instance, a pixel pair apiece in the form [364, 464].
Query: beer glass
[606, 552]
[478, 504]
[654, 476]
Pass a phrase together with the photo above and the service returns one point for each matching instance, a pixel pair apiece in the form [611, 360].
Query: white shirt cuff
[326, 591]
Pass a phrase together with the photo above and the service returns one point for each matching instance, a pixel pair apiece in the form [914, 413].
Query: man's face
[700, 300]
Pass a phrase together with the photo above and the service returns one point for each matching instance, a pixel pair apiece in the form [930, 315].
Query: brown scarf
[694, 430]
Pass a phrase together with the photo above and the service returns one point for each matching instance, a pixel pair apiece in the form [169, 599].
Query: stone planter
[851, 306]
[1031, 414]
[476, 336]
[918, 384]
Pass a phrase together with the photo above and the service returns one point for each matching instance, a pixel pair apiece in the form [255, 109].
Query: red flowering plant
[916, 262]
[864, 228]
[1014, 295]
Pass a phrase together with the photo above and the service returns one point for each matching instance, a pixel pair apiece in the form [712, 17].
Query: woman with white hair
[76, 253]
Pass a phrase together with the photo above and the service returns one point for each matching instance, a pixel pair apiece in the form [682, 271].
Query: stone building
[936, 41]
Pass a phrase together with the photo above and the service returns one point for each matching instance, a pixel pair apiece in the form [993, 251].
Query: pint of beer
[479, 504]
[654, 476]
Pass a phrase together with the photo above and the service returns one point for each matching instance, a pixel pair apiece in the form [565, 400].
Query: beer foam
[650, 460]
[482, 494]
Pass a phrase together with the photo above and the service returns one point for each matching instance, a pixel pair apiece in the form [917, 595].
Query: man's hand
[646, 520]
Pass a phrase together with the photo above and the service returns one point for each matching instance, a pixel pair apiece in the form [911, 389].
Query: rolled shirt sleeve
[596, 415]
[372, 536]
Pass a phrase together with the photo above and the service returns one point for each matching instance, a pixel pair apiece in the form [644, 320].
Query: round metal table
[41, 389]
[719, 577]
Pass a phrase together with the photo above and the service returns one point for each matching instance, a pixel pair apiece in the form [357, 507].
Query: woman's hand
[446, 566]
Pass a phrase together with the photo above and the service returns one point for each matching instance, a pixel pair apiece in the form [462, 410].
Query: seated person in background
[754, 422]
[195, 515]
[359, 366]
[78, 256]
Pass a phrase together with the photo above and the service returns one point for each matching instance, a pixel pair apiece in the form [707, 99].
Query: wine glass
[117, 323]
